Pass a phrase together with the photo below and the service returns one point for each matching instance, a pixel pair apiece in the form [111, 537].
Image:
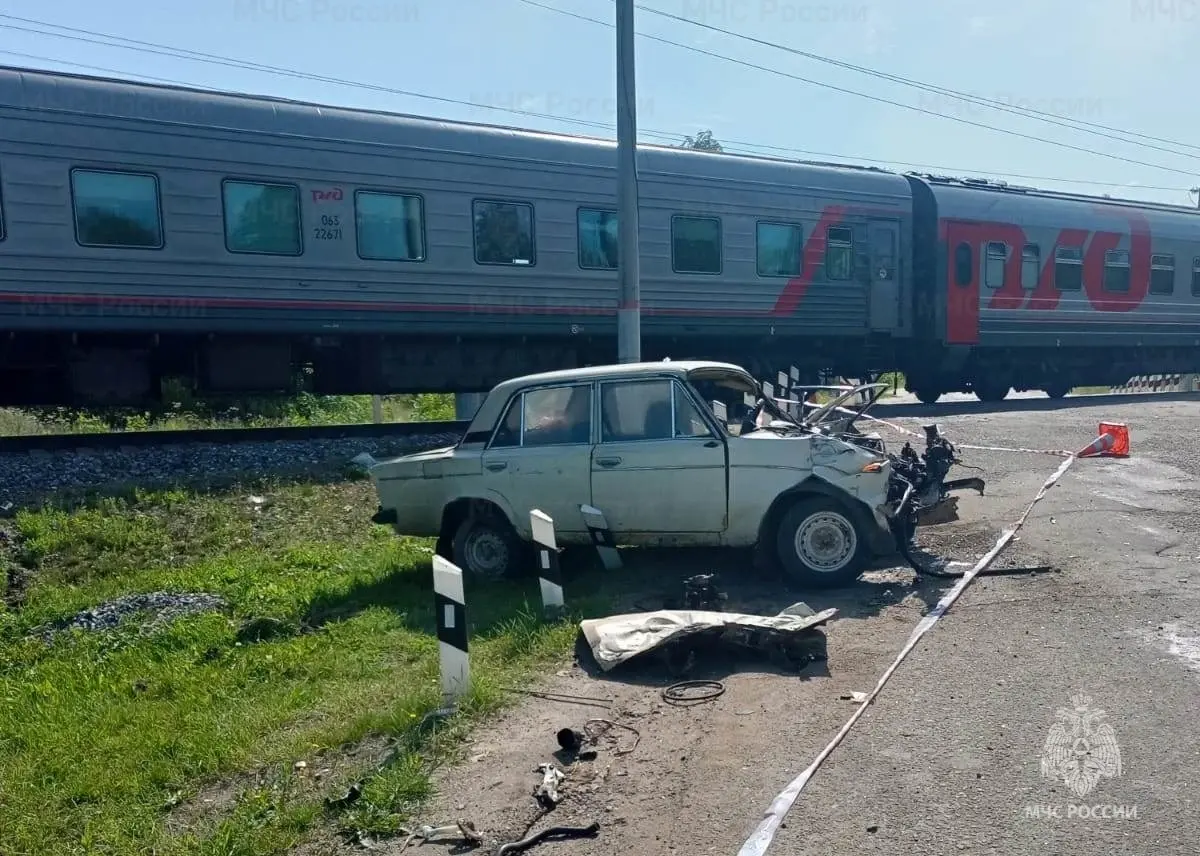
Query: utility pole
[629, 312]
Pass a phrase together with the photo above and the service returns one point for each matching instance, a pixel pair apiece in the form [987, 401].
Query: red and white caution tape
[1059, 453]
[760, 840]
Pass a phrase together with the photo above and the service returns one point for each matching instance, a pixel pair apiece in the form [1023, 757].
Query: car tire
[819, 543]
[486, 547]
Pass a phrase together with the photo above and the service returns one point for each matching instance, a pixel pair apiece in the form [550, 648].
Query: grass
[302, 409]
[184, 739]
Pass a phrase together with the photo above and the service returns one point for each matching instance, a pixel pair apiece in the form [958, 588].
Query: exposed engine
[918, 485]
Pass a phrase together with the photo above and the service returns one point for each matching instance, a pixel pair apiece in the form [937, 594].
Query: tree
[704, 141]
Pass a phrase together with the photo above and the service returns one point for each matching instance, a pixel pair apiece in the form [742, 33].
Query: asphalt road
[949, 758]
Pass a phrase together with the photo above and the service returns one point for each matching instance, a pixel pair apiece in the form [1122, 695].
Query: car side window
[508, 433]
[648, 410]
[556, 416]
[688, 421]
[635, 410]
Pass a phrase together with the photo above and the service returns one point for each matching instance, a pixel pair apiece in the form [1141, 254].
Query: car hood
[415, 465]
[834, 412]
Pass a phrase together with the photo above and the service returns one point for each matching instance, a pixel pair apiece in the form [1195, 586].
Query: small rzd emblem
[1081, 748]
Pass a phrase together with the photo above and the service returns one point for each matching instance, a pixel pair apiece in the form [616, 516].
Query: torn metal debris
[461, 830]
[547, 792]
[790, 637]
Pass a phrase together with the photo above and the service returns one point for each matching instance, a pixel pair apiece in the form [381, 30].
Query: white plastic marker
[601, 537]
[549, 573]
[450, 610]
[760, 840]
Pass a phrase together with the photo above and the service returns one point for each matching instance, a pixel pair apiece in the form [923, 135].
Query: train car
[149, 232]
[1028, 289]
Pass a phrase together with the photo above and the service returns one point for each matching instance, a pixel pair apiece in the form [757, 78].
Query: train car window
[1196, 277]
[1068, 268]
[1162, 274]
[995, 260]
[116, 209]
[839, 253]
[389, 226]
[779, 248]
[695, 244]
[1031, 266]
[1116, 271]
[963, 264]
[598, 236]
[262, 218]
[503, 233]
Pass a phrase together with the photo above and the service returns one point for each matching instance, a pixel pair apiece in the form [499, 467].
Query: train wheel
[991, 390]
[927, 396]
[1057, 389]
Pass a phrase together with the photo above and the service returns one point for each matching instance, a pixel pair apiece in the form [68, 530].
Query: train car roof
[981, 185]
[79, 94]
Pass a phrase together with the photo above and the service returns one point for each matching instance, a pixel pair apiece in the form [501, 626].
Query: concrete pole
[629, 313]
[467, 404]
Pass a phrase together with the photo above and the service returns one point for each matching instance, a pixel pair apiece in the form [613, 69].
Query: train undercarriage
[97, 371]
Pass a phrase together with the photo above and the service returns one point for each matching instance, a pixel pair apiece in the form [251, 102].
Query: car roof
[489, 412]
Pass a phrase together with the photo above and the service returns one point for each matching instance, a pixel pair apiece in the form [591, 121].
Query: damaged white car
[641, 443]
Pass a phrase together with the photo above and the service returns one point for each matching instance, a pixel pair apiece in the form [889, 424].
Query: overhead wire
[868, 96]
[748, 148]
[995, 104]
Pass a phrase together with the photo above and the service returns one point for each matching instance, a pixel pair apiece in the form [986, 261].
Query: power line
[868, 96]
[750, 148]
[1026, 112]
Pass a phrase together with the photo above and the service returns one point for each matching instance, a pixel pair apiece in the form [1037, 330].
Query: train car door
[962, 283]
[884, 293]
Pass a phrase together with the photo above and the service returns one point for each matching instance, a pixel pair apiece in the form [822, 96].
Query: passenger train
[150, 232]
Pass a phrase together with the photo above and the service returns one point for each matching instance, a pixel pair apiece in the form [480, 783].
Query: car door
[658, 470]
[540, 455]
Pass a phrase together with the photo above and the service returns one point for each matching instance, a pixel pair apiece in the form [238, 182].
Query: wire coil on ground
[687, 693]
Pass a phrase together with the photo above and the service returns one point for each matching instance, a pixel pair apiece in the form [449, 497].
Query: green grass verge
[301, 409]
[186, 739]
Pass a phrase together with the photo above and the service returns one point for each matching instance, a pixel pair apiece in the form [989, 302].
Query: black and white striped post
[602, 536]
[450, 609]
[549, 573]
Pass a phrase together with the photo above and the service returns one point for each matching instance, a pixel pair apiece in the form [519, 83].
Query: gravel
[164, 607]
[28, 478]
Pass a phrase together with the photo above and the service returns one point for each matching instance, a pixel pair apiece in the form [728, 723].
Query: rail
[220, 436]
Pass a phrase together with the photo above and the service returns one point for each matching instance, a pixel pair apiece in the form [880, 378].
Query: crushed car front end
[902, 490]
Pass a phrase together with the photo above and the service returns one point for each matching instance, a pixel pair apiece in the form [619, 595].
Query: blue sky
[1126, 64]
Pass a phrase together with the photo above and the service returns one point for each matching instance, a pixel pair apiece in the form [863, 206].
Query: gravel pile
[26, 477]
[161, 607]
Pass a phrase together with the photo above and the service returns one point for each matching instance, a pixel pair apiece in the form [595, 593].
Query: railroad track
[220, 436]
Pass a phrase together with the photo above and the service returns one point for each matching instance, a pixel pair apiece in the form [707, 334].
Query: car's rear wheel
[819, 544]
[486, 547]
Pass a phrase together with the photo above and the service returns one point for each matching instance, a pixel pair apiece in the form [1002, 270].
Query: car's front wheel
[486, 547]
[819, 545]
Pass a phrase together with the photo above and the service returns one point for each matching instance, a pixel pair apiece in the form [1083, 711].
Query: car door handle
[497, 466]
[608, 462]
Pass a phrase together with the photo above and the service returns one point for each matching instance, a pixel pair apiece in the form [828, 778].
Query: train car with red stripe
[232, 241]
[235, 243]
[1028, 289]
